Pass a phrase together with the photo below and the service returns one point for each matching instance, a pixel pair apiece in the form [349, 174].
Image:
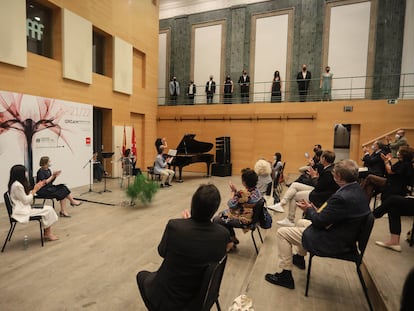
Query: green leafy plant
[141, 189]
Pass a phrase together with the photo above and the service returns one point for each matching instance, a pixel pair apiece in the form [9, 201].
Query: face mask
[314, 149]
[397, 136]
[372, 147]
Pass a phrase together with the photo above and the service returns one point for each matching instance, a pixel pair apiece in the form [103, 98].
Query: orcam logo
[34, 29]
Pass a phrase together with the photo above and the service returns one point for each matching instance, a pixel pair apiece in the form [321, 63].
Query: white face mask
[397, 136]
[373, 147]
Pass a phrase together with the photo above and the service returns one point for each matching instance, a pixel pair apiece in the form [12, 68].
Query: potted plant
[141, 189]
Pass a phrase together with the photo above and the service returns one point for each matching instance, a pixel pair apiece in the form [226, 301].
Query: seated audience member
[407, 297]
[323, 186]
[277, 164]
[330, 230]
[49, 190]
[314, 163]
[160, 167]
[399, 141]
[263, 170]
[396, 206]
[240, 211]
[399, 176]
[187, 246]
[373, 162]
[21, 198]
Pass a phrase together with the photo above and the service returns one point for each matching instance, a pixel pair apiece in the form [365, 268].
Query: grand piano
[191, 151]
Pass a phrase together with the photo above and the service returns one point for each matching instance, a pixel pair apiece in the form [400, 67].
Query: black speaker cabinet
[223, 150]
[221, 170]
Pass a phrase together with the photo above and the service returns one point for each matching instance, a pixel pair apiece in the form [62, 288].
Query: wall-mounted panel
[162, 67]
[13, 47]
[407, 63]
[348, 49]
[122, 66]
[270, 54]
[77, 47]
[207, 58]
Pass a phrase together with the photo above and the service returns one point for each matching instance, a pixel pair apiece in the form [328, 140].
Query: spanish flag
[124, 143]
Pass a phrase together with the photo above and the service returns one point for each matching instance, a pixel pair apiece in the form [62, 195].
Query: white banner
[32, 127]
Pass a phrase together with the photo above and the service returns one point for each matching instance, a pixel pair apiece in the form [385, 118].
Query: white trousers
[166, 174]
[287, 237]
[296, 192]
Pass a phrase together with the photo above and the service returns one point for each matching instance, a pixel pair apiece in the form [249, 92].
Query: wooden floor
[102, 247]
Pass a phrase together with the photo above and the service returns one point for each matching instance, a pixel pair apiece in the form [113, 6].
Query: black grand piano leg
[208, 170]
[180, 171]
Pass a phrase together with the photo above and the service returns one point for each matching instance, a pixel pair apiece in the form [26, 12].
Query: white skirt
[49, 216]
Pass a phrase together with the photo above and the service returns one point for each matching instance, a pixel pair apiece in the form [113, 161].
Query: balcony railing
[390, 87]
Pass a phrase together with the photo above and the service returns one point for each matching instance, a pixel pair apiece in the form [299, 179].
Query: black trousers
[396, 206]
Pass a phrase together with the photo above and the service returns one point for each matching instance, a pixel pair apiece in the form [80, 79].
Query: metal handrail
[390, 87]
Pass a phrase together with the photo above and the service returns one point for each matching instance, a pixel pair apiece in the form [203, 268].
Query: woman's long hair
[18, 173]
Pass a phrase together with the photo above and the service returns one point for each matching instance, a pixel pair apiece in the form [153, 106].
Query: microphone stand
[90, 176]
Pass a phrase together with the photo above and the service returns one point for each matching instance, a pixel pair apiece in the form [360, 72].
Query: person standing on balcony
[228, 90]
[244, 82]
[210, 90]
[191, 91]
[303, 79]
[326, 84]
[174, 91]
[276, 87]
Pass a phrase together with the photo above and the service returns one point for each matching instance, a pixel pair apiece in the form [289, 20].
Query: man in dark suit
[244, 82]
[373, 161]
[210, 90]
[187, 246]
[303, 79]
[331, 229]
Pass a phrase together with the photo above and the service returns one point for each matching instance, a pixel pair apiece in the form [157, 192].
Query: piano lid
[188, 145]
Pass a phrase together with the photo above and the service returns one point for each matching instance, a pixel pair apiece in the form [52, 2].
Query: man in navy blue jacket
[331, 229]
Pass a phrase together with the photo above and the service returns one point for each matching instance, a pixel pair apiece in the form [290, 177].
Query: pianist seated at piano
[160, 167]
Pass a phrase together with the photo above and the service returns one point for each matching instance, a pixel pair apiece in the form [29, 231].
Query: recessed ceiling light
[37, 18]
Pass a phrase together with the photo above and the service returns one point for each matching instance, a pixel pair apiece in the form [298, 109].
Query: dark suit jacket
[325, 186]
[187, 246]
[244, 85]
[334, 229]
[303, 84]
[213, 87]
[374, 163]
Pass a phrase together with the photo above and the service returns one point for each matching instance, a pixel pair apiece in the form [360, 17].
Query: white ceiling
[171, 8]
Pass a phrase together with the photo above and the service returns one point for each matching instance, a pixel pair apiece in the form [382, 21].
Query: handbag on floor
[242, 303]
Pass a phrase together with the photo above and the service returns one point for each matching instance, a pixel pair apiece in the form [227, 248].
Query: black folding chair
[210, 287]
[354, 256]
[13, 221]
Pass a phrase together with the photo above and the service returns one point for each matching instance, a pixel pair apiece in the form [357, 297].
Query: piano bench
[151, 173]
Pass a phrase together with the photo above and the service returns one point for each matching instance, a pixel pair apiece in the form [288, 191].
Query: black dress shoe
[284, 279]
[168, 184]
[299, 261]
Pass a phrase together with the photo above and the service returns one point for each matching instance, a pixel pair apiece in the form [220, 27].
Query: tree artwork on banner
[28, 122]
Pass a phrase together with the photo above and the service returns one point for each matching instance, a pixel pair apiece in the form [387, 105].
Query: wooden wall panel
[135, 22]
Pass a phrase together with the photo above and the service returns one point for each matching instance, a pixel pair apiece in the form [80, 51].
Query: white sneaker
[285, 223]
[277, 208]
